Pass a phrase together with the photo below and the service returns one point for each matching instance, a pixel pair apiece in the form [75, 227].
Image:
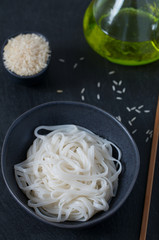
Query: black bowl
[20, 136]
[30, 79]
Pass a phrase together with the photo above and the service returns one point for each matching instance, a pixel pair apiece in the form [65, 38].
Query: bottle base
[117, 51]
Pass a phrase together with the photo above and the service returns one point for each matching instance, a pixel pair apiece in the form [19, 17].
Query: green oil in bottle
[138, 45]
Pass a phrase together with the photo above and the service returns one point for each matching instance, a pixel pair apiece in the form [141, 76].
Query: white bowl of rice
[26, 57]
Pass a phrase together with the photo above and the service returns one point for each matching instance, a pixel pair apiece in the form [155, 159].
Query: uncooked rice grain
[147, 139]
[98, 96]
[75, 65]
[128, 109]
[115, 82]
[124, 90]
[83, 90]
[82, 58]
[59, 91]
[82, 98]
[118, 91]
[120, 82]
[118, 98]
[61, 60]
[98, 84]
[111, 72]
[141, 106]
[113, 88]
[138, 111]
[134, 131]
[133, 119]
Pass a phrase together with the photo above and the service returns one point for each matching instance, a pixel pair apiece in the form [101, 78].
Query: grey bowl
[88, 116]
[31, 79]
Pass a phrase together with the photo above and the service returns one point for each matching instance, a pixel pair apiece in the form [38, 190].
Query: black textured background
[61, 22]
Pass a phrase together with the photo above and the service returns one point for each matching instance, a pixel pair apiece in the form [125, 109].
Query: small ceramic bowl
[30, 79]
[88, 116]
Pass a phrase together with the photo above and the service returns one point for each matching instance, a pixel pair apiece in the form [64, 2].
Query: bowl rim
[76, 224]
[23, 77]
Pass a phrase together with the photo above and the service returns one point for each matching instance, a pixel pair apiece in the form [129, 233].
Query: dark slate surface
[61, 22]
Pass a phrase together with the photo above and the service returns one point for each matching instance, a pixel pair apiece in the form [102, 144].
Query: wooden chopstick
[152, 162]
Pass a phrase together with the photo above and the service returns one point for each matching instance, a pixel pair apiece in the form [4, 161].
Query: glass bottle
[123, 31]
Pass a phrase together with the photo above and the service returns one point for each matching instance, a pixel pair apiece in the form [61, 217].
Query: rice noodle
[69, 173]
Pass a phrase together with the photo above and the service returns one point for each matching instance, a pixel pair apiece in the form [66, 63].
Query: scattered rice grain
[128, 109]
[82, 97]
[147, 139]
[133, 119]
[141, 106]
[124, 90]
[147, 132]
[118, 91]
[118, 118]
[120, 82]
[61, 60]
[119, 98]
[83, 90]
[138, 111]
[113, 87]
[82, 58]
[111, 72]
[98, 84]
[133, 132]
[133, 108]
[75, 65]
[130, 123]
[98, 96]
[146, 111]
[115, 82]
[59, 91]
